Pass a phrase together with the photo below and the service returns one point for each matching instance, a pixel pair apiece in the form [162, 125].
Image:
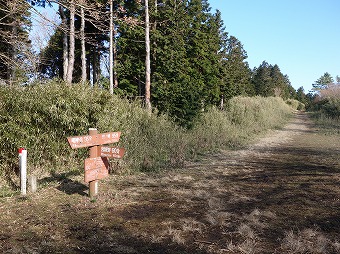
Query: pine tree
[323, 82]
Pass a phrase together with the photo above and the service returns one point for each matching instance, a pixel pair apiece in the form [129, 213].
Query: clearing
[279, 195]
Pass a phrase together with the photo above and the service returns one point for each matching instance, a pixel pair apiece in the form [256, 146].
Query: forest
[175, 55]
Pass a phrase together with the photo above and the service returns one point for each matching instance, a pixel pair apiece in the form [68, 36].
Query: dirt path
[280, 195]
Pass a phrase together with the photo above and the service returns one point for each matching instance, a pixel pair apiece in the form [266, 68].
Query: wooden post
[93, 153]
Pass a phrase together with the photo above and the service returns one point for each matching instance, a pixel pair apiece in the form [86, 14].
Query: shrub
[39, 118]
[295, 104]
[42, 116]
[331, 108]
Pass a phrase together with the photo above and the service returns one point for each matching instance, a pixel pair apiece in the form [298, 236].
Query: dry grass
[280, 196]
[216, 218]
[308, 241]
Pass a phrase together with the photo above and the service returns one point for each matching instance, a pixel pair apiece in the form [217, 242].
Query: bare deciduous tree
[71, 54]
[83, 50]
[65, 41]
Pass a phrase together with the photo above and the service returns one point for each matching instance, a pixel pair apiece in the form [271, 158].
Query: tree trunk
[13, 44]
[147, 58]
[72, 44]
[96, 64]
[111, 46]
[154, 58]
[88, 66]
[65, 41]
[83, 50]
[12, 66]
[115, 61]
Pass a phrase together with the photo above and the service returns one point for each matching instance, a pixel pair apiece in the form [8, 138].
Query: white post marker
[23, 169]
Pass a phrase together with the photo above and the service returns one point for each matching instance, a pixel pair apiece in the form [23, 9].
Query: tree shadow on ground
[86, 231]
[66, 184]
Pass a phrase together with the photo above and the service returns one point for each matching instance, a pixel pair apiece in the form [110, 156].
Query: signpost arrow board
[93, 140]
[96, 168]
[111, 152]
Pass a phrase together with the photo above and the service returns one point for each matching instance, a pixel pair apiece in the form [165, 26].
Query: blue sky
[301, 36]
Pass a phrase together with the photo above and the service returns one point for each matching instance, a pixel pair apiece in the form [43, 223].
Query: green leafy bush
[331, 108]
[42, 116]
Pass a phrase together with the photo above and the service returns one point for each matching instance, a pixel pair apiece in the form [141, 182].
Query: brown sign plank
[109, 137]
[96, 168]
[93, 140]
[111, 152]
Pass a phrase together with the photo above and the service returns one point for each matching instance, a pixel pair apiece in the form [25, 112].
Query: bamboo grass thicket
[40, 117]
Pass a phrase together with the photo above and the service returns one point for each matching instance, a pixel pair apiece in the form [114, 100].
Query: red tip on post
[21, 149]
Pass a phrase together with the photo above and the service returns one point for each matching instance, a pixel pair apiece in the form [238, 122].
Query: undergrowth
[40, 118]
[326, 124]
[326, 109]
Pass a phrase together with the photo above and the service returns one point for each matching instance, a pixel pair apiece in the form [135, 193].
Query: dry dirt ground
[279, 195]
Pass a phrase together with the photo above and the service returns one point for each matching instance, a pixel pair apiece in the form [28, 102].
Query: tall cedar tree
[131, 52]
[268, 80]
[237, 72]
[278, 81]
[14, 40]
[262, 80]
[185, 58]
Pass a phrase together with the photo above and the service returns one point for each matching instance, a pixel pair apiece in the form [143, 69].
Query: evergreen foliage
[323, 82]
[238, 74]
[301, 96]
[51, 57]
[268, 80]
[194, 63]
[262, 80]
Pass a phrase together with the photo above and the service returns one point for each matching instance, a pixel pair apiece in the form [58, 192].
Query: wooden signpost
[111, 152]
[93, 139]
[96, 166]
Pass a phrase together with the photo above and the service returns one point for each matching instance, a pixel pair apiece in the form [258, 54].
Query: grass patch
[308, 241]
